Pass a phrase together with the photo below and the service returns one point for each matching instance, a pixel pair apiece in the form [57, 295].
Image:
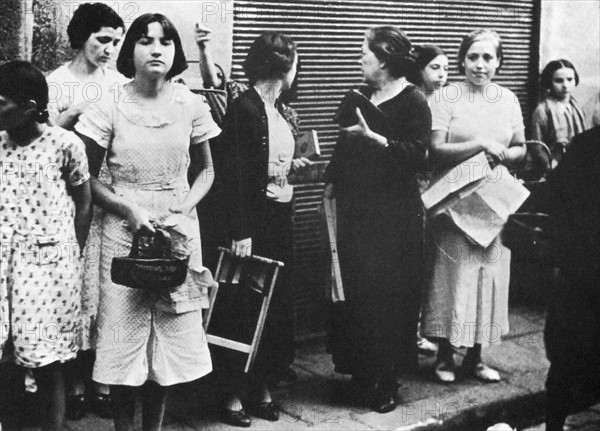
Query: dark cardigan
[242, 174]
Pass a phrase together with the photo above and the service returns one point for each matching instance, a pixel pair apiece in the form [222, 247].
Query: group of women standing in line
[372, 175]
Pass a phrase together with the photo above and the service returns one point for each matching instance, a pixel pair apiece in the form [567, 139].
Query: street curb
[518, 412]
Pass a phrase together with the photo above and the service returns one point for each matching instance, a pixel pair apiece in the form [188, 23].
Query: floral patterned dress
[40, 288]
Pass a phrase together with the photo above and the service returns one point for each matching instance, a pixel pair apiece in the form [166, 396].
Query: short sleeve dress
[466, 296]
[64, 89]
[40, 287]
[148, 160]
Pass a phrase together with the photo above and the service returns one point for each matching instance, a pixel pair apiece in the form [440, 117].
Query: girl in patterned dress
[149, 137]
[42, 232]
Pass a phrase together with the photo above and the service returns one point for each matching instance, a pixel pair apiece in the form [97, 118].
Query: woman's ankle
[446, 351]
[234, 403]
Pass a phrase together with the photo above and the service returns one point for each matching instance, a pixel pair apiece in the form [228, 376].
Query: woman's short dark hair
[21, 82]
[270, 56]
[476, 36]
[139, 29]
[553, 66]
[90, 18]
[391, 46]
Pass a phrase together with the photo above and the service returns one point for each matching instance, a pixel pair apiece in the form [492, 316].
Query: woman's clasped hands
[495, 152]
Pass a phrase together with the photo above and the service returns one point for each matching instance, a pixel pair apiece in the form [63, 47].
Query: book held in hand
[376, 119]
[307, 146]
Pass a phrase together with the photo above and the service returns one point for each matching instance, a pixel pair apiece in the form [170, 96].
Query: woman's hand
[203, 36]
[362, 130]
[140, 219]
[300, 164]
[496, 151]
[242, 248]
[76, 109]
[69, 116]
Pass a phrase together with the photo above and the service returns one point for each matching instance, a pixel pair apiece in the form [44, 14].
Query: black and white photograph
[300, 215]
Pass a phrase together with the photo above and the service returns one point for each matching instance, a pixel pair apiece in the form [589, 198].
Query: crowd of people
[122, 169]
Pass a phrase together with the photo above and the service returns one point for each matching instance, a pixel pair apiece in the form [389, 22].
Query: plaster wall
[571, 30]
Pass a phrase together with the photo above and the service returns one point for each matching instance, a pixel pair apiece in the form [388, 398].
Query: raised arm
[208, 71]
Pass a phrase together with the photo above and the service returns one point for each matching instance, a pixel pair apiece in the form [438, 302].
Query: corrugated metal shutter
[329, 35]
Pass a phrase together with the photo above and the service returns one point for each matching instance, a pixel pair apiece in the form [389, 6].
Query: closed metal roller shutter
[329, 35]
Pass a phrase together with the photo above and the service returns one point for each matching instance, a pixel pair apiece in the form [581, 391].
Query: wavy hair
[90, 18]
[270, 56]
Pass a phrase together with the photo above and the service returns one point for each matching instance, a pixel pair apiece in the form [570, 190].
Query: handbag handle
[159, 248]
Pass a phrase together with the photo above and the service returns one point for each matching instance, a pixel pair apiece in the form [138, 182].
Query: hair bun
[43, 116]
[410, 56]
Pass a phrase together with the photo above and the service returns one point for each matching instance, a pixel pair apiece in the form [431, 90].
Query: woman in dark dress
[256, 206]
[379, 224]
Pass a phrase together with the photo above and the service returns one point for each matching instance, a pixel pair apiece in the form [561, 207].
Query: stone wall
[10, 29]
[50, 42]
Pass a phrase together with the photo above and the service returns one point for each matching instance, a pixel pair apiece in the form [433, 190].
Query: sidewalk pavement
[425, 404]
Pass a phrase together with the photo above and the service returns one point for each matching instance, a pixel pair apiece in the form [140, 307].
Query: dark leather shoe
[267, 411]
[75, 407]
[383, 405]
[235, 418]
[101, 405]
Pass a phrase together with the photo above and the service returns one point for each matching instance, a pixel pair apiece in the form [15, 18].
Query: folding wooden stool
[238, 306]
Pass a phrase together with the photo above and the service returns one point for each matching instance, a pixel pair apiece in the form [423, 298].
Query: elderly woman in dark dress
[380, 224]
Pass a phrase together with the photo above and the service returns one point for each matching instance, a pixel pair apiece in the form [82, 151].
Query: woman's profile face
[100, 46]
[153, 53]
[481, 62]
[289, 77]
[435, 74]
[563, 82]
[370, 65]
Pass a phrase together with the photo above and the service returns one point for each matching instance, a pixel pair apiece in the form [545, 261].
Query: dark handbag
[150, 264]
[531, 239]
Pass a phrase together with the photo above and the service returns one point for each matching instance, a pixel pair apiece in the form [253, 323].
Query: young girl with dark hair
[148, 146]
[558, 117]
[432, 63]
[46, 228]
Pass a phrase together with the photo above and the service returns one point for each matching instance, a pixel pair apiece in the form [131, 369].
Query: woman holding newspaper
[381, 146]
[466, 303]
